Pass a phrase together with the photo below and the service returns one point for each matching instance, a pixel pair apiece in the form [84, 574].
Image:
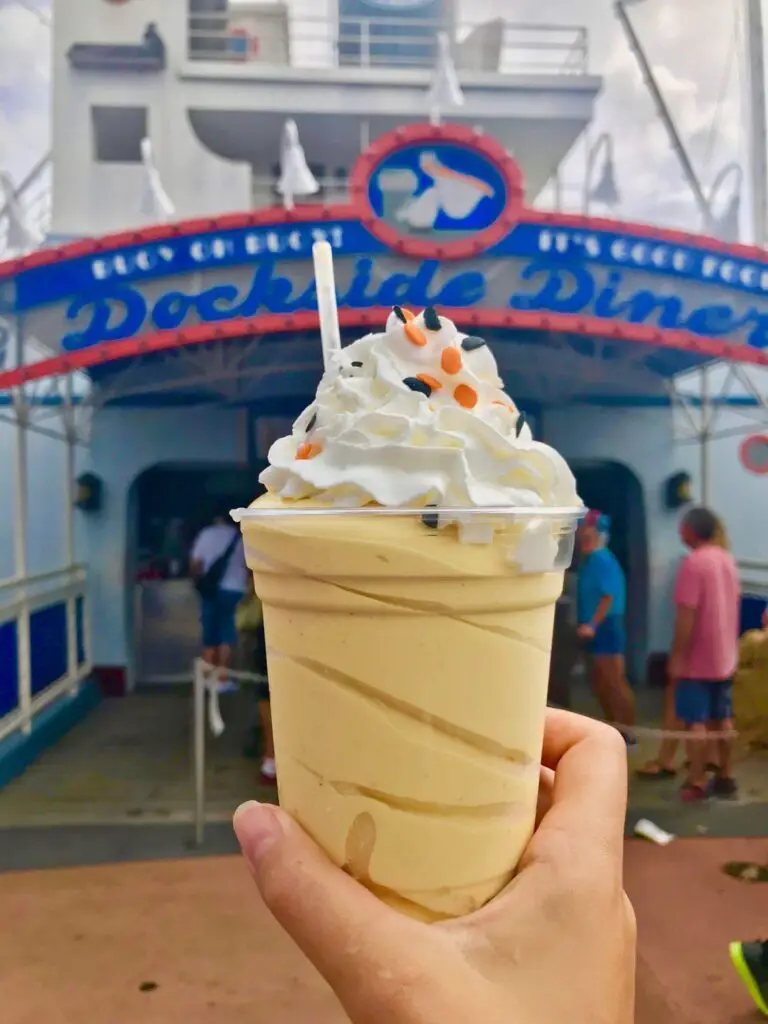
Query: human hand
[558, 944]
[586, 632]
[674, 668]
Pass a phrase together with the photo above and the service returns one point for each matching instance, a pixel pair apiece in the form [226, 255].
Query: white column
[705, 441]
[69, 501]
[20, 512]
[758, 156]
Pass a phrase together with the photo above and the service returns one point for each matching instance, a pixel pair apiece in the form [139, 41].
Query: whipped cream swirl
[417, 416]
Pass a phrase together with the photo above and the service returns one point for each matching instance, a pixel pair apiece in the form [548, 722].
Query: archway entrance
[168, 506]
[616, 491]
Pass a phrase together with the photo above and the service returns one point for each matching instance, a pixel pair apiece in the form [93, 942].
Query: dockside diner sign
[436, 218]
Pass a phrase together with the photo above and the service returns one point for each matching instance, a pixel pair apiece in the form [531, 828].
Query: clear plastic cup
[408, 654]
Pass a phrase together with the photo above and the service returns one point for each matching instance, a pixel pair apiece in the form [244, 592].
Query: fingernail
[257, 828]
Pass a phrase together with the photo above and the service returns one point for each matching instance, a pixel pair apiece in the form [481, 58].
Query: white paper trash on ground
[647, 830]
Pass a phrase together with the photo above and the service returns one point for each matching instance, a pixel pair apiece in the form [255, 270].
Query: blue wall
[46, 549]
[126, 442]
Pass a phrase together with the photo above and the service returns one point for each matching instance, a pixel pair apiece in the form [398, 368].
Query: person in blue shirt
[601, 604]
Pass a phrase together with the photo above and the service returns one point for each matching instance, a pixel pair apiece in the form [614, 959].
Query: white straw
[330, 335]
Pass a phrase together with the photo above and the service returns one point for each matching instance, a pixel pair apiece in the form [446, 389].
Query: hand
[674, 667]
[586, 632]
[557, 945]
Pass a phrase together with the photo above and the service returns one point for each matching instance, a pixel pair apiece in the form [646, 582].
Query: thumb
[340, 926]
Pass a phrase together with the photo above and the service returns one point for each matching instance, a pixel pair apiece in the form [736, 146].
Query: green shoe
[751, 962]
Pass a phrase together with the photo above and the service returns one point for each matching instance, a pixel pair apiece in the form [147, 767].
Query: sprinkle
[307, 451]
[421, 387]
[520, 424]
[430, 381]
[451, 361]
[431, 519]
[431, 319]
[312, 424]
[465, 396]
[415, 336]
[505, 405]
[470, 344]
[403, 315]
[357, 364]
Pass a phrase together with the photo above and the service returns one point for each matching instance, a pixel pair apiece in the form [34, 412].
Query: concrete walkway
[182, 942]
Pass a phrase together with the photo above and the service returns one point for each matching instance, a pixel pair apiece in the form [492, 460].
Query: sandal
[654, 770]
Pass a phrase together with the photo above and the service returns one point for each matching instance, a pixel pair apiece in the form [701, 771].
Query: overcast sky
[692, 44]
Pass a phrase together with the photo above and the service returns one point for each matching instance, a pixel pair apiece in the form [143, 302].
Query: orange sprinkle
[504, 405]
[465, 396]
[308, 451]
[416, 336]
[408, 314]
[451, 361]
[429, 381]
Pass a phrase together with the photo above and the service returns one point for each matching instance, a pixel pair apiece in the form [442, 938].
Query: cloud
[691, 44]
[24, 88]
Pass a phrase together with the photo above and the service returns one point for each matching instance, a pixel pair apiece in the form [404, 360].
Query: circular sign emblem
[754, 454]
[438, 192]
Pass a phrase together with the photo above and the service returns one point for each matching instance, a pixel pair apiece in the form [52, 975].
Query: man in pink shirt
[704, 652]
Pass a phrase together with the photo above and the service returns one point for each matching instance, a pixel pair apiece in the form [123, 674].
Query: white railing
[276, 37]
[43, 627]
[34, 195]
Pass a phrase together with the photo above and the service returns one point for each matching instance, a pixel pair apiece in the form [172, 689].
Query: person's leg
[209, 629]
[602, 684]
[663, 766]
[622, 697]
[692, 705]
[721, 709]
[751, 962]
[227, 602]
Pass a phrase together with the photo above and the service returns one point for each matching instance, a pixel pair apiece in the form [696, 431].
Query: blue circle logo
[440, 190]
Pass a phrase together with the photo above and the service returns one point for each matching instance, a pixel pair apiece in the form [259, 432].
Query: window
[117, 134]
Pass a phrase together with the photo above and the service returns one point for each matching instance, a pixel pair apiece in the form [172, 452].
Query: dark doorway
[615, 490]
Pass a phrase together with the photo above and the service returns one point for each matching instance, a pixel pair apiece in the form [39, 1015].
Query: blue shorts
[217, 617]
[698, 701]
[610, 638]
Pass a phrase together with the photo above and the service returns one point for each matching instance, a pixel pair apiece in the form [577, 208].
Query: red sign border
[744, 457]
[413, 135]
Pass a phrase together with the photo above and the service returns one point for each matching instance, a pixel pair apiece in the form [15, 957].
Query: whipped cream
[417, 416]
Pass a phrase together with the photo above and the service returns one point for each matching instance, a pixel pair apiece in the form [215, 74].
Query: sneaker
[692, 794]
[751, 962]
[725, 788]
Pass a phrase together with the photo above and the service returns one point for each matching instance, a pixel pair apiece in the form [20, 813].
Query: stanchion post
[198, 677]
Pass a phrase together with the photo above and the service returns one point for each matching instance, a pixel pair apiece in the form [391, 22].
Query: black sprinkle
[312, 424]
[521, 421]
[418, 385]
[357, 364]
[400, 314]
[431, 319]
[470, 344]
[148, 986]
[431, 519]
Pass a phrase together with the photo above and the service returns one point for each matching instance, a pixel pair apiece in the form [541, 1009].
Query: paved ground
[188, 941]
[129, 764]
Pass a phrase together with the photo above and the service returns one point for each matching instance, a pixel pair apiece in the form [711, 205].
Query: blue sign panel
[441, 191]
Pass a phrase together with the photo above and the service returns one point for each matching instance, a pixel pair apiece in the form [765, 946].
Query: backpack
[208, 584]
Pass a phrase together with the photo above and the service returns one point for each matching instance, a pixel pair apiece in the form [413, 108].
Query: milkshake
[409, 553]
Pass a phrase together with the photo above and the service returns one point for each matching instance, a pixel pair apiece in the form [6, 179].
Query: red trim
[412, 135]
[359, 209]
[202, 334]
[744, 454]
